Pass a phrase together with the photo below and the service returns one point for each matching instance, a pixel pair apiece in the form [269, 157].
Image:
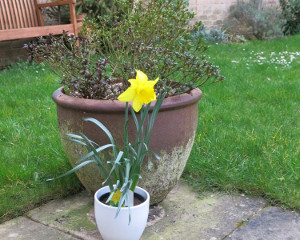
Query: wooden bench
[23, 19]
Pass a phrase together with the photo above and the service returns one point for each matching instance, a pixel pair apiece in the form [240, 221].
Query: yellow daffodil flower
[141, 91]
[116, 198]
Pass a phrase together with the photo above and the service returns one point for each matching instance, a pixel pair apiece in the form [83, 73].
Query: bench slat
[31, 13]
[34, 14]
[27, 15]
[7, 21]
[19, 15]
[23, 14]
[1, 16]
[17, 23]
[12, 15]
[35, 32]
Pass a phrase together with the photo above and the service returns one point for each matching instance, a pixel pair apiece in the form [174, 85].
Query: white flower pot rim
[123, 208]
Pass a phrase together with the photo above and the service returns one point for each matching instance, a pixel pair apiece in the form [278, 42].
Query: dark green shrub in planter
[153, 36]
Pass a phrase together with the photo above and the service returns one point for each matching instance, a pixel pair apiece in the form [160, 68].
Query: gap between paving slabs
[271, 223]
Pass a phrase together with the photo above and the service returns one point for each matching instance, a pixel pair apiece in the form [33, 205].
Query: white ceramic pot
[112, 228]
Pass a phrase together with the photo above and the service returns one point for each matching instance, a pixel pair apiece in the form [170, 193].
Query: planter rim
[123, 208]
[93, 105]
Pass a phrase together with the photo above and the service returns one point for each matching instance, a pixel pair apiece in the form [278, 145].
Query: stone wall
[213, 12]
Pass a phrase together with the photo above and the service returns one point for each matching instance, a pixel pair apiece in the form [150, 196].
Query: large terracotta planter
[172, 137]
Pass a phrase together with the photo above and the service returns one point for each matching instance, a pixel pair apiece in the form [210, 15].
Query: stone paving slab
[24, 229]
[272, 223]
[186, 215]
[182, 215]
[190, 218]
[73, 215]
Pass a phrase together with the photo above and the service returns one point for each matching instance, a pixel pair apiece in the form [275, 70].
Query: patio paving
[182, 215]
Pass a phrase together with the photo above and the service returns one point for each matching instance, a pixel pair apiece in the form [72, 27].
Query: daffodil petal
[151, 84]
[128, 95]
[132, 81]
[154, 81]
[141, 76]
[136, 104]
[153, 97]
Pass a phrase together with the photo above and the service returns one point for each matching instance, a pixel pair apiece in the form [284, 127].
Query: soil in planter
[138, 199]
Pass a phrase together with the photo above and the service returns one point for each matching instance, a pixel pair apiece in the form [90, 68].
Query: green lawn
[248, 132]
[30, 146]
[248, 135]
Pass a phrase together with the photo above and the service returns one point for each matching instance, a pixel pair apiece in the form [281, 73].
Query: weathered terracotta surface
[172, 137]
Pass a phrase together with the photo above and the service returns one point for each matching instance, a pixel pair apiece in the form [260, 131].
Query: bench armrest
[56, 3]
